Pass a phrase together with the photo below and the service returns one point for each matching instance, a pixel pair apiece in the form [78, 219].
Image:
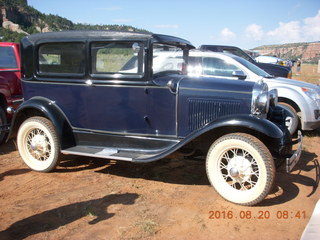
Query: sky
[243, 23]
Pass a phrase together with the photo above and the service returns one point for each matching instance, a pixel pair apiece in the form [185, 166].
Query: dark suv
[125, 96]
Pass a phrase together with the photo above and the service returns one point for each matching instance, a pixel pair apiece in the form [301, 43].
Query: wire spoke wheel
[38, 144]
[240, 168]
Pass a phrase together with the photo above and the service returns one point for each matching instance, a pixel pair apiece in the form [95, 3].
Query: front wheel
[38, 144]
[240, 168]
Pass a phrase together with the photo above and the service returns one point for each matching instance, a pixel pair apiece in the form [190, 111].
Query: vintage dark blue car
[125, 96]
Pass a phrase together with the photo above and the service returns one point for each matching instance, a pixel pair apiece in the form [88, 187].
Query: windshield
[167, 59]
[253, 68]
[238, 52]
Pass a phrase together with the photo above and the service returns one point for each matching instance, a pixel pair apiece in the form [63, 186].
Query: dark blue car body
[123, 96]
[140, 114]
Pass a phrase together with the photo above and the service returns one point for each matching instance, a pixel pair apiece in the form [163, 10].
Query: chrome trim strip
[97, 83]
[158, 139]
[126, 134]
[213, 90]
[294, 159]
[177, 106]
[18, 101]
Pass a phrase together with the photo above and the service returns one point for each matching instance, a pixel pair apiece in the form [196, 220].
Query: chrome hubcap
[234, 172]
[239, 169]
[38, 145]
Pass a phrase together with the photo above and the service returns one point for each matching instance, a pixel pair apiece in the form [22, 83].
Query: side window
[62, 58]
[125, 58]
[7, 58]
[218, 67]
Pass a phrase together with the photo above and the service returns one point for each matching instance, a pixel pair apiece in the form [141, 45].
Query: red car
[10, 84]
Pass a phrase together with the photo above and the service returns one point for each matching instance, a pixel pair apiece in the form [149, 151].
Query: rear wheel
[240, 168]
[38, 144]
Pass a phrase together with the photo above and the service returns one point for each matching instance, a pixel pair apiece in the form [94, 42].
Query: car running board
[109, 153]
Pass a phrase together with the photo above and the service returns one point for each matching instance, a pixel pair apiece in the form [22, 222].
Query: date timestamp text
[248, 214]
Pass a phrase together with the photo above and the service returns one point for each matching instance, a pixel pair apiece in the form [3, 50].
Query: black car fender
[39, 106]
[244, 121]
[273, 135]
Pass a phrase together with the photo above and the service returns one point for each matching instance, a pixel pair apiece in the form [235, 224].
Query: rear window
[7, 58]
[62, 58]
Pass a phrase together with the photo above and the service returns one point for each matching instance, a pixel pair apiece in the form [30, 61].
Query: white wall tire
[38, 144]
[240, 168]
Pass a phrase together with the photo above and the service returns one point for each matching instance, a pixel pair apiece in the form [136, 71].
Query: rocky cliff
[17, 19]
[308, 52]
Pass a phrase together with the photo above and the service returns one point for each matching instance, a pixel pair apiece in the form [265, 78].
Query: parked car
[10, 84]
[272, 69]
[102, 94]
[271, 59]
[300, 99]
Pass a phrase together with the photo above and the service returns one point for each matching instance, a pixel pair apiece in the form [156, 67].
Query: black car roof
[105, 35]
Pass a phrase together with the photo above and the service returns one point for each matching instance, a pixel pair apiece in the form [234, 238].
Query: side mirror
[136, 47]
[239, 74]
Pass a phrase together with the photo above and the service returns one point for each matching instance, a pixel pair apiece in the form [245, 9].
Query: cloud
[286, 32]
[227, 35]
[254, 31]
[167, 26]
[307, 30]
[303, 30]
[311, 27]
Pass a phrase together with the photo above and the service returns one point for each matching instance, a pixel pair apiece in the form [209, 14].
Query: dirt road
[88, 198]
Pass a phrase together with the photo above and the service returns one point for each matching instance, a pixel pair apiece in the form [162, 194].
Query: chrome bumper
[294, 159]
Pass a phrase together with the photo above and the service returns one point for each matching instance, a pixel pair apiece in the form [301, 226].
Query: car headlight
[313, 93]
[260, 99]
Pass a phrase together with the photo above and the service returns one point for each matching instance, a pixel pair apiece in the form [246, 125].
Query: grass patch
[309, 73]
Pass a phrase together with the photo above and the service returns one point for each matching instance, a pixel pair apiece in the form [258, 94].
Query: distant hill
[307, 52]
[18, 19]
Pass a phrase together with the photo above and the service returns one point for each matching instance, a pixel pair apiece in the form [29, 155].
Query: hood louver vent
[202, 111]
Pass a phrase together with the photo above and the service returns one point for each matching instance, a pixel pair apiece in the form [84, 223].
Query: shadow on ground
[189, 171]
[8, 147]
[13, 172]
[286, 187]
[61, 216]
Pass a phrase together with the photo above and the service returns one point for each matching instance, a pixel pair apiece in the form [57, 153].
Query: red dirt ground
[88, 198]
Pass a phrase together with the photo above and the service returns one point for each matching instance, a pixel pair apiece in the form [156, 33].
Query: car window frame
[118, 77]
[61, 76]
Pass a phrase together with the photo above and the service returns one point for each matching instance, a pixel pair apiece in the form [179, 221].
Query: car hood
[286, 81]
[272, 65]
